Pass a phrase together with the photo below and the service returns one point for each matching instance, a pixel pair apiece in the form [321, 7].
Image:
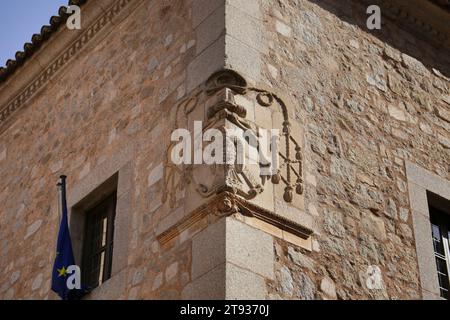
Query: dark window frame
[440, 228]
[93, 247]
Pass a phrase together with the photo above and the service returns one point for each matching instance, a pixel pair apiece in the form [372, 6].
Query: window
[440, 226]
[429, 196]
[98, 242]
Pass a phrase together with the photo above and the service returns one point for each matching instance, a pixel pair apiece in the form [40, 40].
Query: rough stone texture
[209, 286]
[366, 102]
[208, 249]
[242, 284]
[249, 248]
[118, 95]
[327, 286]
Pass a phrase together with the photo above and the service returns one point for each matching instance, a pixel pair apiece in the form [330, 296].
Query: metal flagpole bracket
[61, 192]
[62, 180]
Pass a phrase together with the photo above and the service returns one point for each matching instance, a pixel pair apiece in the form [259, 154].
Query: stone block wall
[369, 101]
[361, 103]
[109, 111]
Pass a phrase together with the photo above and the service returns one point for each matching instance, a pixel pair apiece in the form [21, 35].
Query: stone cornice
[56, 53]
[227, 204]
[424, 17]
[37, 40]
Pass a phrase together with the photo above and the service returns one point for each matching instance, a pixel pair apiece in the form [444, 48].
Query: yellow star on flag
[62, 272]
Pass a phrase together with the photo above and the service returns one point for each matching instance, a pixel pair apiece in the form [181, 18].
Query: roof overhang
[54, 53]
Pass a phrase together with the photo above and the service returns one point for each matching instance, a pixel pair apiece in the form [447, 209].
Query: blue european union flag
[64, 253]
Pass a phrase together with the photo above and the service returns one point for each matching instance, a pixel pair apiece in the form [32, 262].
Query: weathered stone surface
[138, 276]
[446, 99]
[209, 248]
[343, 170]
[391, 209]
[307, 288]
[33, 228]
[414, 64]
[152, 65]
[37, 282]
[405, 231]
[374, 226]
[300, 259]
[157, 282]
[14, 277]
[203, 8]
[242, 58]
[242, 284]
[442, 113]
[172, 271]
[2, 154]
[327, 286]
[392, 53]
[444, 141]
[365, 102]
[377, 81]
[283, 29]
[286, 281]
[249, 248]
[397, 113]
[210, 29]
[333, 223]
[404, 214]
[210, 60]
[209, 286]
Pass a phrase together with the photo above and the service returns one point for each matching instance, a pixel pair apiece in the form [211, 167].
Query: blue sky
[20, 19]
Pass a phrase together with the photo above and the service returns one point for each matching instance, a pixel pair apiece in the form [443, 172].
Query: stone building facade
[364, 148]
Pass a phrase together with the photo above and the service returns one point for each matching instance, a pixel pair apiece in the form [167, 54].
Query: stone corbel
[226, 204]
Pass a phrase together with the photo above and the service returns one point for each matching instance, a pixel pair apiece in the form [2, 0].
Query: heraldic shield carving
[252, 156]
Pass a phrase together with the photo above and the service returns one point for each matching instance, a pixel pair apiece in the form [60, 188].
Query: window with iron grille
[98, 242]
[440, 227]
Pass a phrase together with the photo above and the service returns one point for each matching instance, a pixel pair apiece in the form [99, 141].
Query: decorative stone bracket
[226, 204]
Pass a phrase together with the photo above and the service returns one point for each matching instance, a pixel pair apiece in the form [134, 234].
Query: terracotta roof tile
[37, 40]
[56, 21]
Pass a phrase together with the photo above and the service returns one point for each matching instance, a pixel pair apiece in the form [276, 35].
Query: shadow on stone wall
[400, 36]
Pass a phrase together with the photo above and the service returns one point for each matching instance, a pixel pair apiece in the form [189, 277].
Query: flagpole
[64, 251]
[61, 192]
